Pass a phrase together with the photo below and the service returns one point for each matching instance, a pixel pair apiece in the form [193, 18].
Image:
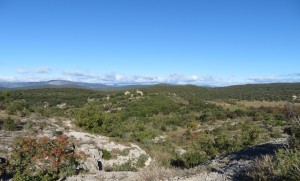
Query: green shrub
[294, 132]
[68, 170]
[145, 135]
[141, 161]
[192, 159]
[1, 123]
[232, 115]
[90, 117]
[17, 106]
[127, 166]
[29, 152]
[163, 128]
[28, 125]
[279, 123]
[285, 165]
[289, 164]
[23, 177]
[276, 133]
[9, 124]
[106, 154]
[150, 106]
[251, 135]
[58, 133]
[208, 116]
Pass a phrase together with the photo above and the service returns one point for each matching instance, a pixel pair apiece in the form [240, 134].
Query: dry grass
[284, 166]
[155, 172]
[263, 169]
[258, 104]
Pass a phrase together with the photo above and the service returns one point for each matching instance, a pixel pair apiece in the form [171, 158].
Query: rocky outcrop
[227, 168]
[232, 167]
[92, 144]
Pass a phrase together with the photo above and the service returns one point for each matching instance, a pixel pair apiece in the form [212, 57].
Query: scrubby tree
[193, 159]
[9, 124]
[90, 117]
[17, 107]
[44, 158]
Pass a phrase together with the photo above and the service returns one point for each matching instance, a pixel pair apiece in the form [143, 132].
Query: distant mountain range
[116, 87]
[64, 84]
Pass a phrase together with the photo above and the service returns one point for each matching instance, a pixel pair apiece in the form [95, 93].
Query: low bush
[193, 159]
[285, 165]
[43, 158]
[127, 166]
[141, 161]
[106, 154]
[9, 124]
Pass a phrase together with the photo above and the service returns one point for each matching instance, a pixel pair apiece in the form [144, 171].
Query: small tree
[106, 154]
[193, 159]
[17, 107]
[9, 124]
[90, 117]
[44, 158]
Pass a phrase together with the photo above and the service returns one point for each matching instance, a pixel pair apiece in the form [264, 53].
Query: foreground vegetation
[42, 159]
[180, 126]
[285, 165]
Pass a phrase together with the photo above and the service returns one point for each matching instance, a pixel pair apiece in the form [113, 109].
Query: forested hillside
[268, 92]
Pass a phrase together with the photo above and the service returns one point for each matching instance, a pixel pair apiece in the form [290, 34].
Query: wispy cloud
[116, 78]
[293, 77]
[7, 79]
[77, 74]
[22, 71]
[27, 78]
[44, 70]
[265, 79]
[33, 75]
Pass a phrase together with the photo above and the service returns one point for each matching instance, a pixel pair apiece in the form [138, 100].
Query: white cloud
[293, 77]
[265, 79]
[77, 74]
[22, 71]
[171, 79]
[7, 79]
[44, 70]
[44, 74]
[26, 78]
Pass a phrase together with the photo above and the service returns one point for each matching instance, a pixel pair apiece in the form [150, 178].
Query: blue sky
[202, 42]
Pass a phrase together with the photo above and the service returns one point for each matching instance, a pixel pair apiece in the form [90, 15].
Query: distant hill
[64, 84]
[54, 83]
[274, 91]
[268, 92]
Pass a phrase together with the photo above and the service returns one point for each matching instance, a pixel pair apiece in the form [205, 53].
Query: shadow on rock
[257, 151]
[248, 156]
